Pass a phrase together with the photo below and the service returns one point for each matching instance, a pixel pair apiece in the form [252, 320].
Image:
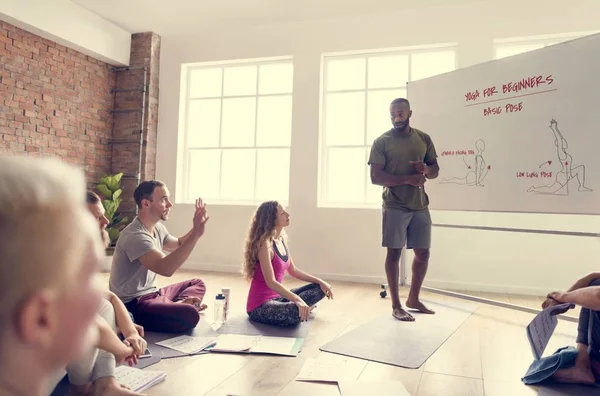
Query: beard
[105, 238]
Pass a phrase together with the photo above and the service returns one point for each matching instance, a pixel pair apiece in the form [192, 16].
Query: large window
[508, 47]
[357, 90]
[238, 121]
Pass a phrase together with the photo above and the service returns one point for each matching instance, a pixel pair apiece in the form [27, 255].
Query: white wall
[345, 243]
[70, 25]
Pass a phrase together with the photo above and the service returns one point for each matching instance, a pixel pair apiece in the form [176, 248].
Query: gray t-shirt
[128, 277]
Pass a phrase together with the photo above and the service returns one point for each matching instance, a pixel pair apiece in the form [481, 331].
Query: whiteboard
[519, 134]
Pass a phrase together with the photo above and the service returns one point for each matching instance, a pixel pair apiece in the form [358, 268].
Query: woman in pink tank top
[266, 261]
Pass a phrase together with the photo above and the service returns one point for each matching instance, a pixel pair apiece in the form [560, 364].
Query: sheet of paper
[275, 345]
[541, 328]
[187, 344]
[136, 379]
[235, 343]
[314, 370]
[379, 388]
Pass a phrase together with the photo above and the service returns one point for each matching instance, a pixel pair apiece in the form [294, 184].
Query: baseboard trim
[378, 280]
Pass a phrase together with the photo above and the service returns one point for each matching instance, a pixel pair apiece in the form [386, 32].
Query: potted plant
[109, 189]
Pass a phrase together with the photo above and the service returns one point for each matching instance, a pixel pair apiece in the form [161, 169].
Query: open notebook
[138, 380]
[285, 346]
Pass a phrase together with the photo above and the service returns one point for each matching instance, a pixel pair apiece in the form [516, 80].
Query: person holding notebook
[267, 258]
[585, 293]
[95, 372]
[50, 254]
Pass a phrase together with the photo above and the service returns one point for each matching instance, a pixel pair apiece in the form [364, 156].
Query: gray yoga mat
[145, 362]
[557, 389]
[405, 344]
[203, 329]
[241, 324]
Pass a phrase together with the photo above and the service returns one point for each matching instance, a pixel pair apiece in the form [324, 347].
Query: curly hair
[262, 227]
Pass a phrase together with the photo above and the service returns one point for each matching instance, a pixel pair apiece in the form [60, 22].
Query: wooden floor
[487, 355]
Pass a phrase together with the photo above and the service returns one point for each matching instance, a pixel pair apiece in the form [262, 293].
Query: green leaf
[114, 234]
[117, 194]
[110, 208]
[114, 182]
[104, 191]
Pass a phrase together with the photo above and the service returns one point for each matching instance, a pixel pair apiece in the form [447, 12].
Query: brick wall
[133, 101]
[54, 101]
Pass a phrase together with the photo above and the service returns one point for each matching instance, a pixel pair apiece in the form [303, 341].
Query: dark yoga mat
[241, 324]
[145, 362]
[557, 389]
[203, 329]
[405, 344]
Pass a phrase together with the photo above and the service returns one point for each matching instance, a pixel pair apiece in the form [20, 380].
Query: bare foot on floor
[580, 373]
[419, 306]
[402, 315]
[194, 301]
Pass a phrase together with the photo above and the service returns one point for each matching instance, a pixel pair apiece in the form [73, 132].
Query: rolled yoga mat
[405, 344]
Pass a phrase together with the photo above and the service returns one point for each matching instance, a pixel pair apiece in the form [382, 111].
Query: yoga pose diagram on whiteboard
[567, 173]
[475, 176]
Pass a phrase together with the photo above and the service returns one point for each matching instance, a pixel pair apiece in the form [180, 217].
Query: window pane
[240, 80]
[427, 64]
[205, 83]
[510, 50]
[238, 122]
[346, 175]
[378, 111]
[345, 118]
[204, 119]
[345, 74]
[273, 174]
[373, 191]
[203, 177]
[276, 78]
[274, 126]
[237, 175]
[388, 71]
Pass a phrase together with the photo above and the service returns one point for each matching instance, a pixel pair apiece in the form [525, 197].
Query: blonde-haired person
[94, 373]
[49, 254]
[266, 260]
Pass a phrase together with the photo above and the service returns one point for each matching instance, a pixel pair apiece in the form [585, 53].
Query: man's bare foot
[402, 315]
[195, 301]
[108, 386]
[580, 373]
[419, 306]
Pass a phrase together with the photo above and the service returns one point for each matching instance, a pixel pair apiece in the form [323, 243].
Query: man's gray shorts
[402, 227]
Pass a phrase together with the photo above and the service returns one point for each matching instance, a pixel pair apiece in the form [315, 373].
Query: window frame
[545, 40]
[323, 162]
[184, 169]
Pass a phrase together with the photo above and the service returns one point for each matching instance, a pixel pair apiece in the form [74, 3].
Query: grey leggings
[588, 329]
[282, 312]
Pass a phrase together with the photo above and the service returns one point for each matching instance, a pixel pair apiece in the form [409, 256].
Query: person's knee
[394, 254]
[422, 254]
[187, 317]
[595, 282]
[198, 283]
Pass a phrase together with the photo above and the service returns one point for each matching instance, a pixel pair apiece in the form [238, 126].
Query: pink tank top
[259, 292]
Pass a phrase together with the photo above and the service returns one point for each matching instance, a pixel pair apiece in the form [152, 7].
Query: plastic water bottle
[220, 308]
[227, 292]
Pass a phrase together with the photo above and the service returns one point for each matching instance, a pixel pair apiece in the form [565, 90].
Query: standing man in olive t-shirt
[401, 160]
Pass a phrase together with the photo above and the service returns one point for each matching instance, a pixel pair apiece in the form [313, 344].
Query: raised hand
[200, 217]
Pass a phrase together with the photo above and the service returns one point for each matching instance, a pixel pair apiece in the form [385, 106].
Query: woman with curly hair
[266, 260]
